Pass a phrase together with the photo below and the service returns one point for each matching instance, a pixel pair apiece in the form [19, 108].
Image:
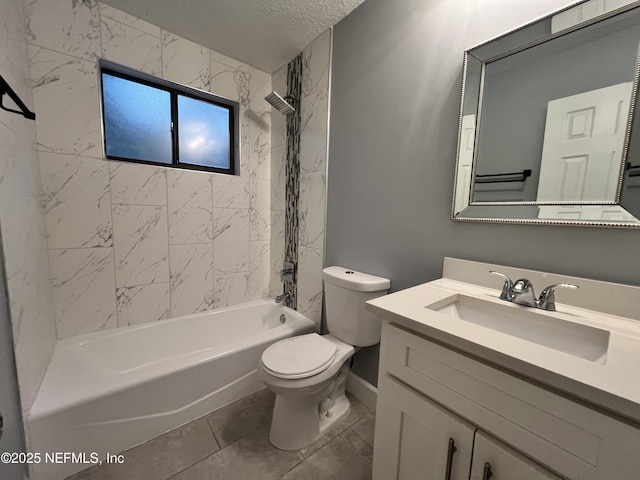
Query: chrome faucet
[521, 292]
[286, 296]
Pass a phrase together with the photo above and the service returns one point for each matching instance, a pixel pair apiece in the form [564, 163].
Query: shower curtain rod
[5, 88]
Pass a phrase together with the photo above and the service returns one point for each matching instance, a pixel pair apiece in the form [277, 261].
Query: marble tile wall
[314, 110]
[131, 243]
[21, 215]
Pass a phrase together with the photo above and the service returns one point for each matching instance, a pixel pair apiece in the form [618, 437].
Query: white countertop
[612, 384]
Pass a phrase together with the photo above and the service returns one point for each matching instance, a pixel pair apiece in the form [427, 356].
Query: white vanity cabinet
[425, 441]
[439, 408]
[494, 460]
[422, 439]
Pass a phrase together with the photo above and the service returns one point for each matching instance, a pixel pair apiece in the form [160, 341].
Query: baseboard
[362, 390]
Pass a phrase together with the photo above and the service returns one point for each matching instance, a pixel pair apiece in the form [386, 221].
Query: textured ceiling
[264, 33]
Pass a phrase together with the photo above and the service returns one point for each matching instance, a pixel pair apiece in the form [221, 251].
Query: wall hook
[5, 88]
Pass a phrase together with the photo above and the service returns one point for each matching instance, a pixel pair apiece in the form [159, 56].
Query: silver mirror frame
[504, 212]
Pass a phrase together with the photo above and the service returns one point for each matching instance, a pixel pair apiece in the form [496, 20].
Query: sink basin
[532, 325]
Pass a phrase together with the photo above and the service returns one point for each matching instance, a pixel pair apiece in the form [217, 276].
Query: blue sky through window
[203, 133]
[137, 120]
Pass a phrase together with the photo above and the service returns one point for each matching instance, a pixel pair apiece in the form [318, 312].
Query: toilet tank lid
[353, 280]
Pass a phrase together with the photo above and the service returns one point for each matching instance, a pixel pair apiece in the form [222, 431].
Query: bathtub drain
[282, 318]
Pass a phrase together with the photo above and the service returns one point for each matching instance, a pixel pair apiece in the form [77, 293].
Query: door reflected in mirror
[546, 124]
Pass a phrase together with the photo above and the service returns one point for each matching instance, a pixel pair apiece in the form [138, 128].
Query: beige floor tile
[356, 412]
[161, 457]
[244, 416]
[191, 452]
[365, 427]
[250, 458]
[346, 457]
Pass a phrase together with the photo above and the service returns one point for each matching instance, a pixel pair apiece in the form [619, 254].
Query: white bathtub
[108, 391]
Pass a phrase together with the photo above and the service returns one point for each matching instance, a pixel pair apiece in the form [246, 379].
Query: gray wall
[396, 80]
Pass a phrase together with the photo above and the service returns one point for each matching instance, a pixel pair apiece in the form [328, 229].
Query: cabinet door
[493, 460]
[417, 439]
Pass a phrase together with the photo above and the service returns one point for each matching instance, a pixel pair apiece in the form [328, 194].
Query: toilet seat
[299, 357]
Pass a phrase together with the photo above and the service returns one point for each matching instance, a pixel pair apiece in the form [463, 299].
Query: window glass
[152, 120]
[204, 135]
[137, 120]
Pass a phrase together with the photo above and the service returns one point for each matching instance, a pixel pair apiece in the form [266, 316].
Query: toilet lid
[299, 357]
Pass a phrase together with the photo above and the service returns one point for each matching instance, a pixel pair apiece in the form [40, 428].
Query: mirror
[547, 132]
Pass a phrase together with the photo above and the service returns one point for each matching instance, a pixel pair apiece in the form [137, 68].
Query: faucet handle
[507, 288]
[547, 299]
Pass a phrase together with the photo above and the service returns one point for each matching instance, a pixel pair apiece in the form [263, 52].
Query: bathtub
[108, 391]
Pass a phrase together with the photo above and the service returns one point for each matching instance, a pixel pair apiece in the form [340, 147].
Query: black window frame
[174, 89]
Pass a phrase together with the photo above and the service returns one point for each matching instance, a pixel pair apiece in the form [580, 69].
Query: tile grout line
[220, 448]
[212, 183]
[109, 165]
[252, 186]
[215, 439]
[341, 434]
[304, 459]
[358, 434]
[166, 186]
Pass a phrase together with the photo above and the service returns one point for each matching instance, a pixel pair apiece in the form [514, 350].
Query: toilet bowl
[308, 373]
[311, 401]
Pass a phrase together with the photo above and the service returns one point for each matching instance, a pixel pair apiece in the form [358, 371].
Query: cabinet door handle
[487, 473]
[450, 451]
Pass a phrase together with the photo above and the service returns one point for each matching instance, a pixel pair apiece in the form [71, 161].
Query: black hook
[5, 88]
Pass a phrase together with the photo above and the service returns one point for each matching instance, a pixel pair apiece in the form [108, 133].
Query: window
[154, 121]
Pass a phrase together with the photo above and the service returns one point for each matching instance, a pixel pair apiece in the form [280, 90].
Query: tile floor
[232, 444]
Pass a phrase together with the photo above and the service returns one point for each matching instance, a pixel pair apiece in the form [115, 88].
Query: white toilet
[308, 372]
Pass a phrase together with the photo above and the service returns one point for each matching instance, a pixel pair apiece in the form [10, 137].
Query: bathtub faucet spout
[286, 296]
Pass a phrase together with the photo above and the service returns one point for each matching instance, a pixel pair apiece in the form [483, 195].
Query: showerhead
[283, 105]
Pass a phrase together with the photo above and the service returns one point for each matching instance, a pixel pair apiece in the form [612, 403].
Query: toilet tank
[346, 292]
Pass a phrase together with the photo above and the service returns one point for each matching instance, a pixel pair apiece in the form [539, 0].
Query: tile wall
[133, 243]
[292, 197]
[21, 214]
[314, 109]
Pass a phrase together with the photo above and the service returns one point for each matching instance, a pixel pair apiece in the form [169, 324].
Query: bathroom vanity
[474, 387]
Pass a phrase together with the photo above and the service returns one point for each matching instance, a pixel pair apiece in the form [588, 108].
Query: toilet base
[299, 421]
[340, 409]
